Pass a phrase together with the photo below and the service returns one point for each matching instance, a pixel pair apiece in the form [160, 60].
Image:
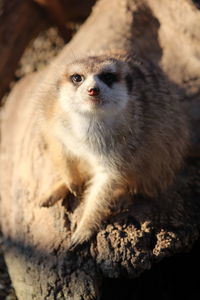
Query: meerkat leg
[98, 199]
[71, 181]
[67, 165]
[72, 177]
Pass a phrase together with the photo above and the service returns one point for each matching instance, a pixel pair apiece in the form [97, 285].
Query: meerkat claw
[59, 193]
[79, 237]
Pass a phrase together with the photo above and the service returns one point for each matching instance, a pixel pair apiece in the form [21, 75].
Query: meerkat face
[96, 85]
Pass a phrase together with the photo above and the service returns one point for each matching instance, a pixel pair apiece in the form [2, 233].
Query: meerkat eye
[108, 78]
[77, 78]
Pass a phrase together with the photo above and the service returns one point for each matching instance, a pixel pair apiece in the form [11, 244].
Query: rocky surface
[167, 280]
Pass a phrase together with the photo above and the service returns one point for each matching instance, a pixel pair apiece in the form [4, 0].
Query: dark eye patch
[108, 78]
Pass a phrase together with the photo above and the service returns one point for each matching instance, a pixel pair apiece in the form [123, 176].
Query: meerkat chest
[87, 140]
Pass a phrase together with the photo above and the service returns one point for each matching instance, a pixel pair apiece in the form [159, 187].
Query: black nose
[93, 91]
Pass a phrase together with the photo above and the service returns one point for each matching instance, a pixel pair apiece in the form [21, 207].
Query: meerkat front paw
[86, 227]
[80, 236]
[76, 217]
[82, 228]
[76, 189]
[59, 192]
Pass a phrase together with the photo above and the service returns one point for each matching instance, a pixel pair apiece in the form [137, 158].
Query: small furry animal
[115, 127]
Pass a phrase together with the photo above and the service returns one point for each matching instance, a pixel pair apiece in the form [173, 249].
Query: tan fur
[135, 143]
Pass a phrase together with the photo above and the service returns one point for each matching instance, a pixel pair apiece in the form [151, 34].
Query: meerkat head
[96, 85]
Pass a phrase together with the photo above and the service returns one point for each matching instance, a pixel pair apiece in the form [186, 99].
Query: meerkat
[115, 127]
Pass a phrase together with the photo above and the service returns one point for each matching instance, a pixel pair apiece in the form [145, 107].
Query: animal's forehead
[94, 65]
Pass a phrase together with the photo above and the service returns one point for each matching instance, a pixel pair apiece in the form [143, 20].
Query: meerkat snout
[94, 91]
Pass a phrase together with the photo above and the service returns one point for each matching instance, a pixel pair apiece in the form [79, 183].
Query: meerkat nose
[93, 91]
